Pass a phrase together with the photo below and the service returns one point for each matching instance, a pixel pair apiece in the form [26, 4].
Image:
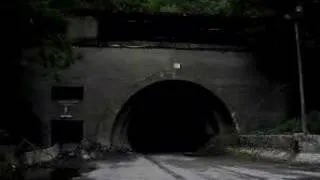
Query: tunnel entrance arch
[171, 116]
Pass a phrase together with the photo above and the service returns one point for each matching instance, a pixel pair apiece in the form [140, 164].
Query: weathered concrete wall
[82, 27]
[293, 149]
[309, 143]
[303, 143]
[111, 75]
[281, 142]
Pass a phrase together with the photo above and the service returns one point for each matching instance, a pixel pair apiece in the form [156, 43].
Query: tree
[44, 28]
[36, 41]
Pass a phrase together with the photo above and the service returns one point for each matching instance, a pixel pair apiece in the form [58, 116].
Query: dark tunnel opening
[171, 116]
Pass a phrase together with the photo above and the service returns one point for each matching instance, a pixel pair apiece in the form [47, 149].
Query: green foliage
[162, 6]
[208, 7]
[294, 125]
[289, 126]
[314, 122]
[131, 5]
[217, 7]
[43, 31]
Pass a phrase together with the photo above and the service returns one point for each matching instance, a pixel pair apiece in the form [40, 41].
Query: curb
[159, 45]
[278, 155]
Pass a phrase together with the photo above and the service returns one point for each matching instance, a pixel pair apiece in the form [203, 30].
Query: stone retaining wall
[309, 143]
[283, 142]
[297, 148]
[305, 143]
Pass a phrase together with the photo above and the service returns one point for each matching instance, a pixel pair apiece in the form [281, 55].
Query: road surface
[172, 167]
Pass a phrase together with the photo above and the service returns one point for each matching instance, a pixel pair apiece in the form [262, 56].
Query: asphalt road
[171, 167]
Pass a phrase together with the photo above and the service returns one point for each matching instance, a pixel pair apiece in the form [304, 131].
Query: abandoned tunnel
[172, 116]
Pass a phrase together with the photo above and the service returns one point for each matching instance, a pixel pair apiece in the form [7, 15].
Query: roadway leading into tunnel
[172, 116]
[178, 167]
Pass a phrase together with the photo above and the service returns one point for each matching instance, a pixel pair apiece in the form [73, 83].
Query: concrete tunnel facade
[112, 77]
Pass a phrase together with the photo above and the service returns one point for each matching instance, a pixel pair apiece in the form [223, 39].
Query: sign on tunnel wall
[112, 75]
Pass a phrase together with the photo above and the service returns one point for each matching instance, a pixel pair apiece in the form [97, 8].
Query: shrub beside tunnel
[171, 116]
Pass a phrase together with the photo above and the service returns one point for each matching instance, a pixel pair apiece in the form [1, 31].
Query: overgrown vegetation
[294, 125]
[220, 7]
[44, 28]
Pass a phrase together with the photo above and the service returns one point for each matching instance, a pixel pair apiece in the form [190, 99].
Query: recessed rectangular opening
[67, 93]
[66, 131]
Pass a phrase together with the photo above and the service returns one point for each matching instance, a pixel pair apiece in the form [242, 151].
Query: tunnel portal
[171, 116]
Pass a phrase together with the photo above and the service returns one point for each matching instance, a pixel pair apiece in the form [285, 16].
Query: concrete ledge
[281, 142]
[297, 148]
[278, 155]
[158, 45]
[296, 142]
[308, 143]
